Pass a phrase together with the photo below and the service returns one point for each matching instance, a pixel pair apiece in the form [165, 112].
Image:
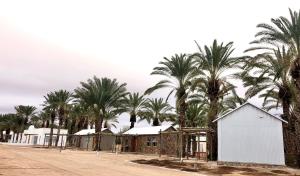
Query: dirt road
[16, 160]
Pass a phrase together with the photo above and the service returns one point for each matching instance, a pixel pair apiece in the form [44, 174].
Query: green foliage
[157, 111]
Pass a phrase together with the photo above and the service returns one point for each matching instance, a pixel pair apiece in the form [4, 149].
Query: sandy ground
[16, 160]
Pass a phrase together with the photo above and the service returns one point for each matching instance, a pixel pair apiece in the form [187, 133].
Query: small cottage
[86, 139]
[145, 139]
[249, 134]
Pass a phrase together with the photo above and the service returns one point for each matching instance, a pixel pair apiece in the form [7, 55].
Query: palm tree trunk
[51, 129]
[17, 138]
[61, 118]
[155, 122]
[295, 73]
[98, 129]
[182, 111]
[1, 135]
[58, 132]
[212, 137]
[7, 133]
[47, 124]
[132, 120]
[289, 136]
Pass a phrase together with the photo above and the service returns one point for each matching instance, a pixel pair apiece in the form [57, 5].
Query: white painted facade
[249, 134]
[39, 136]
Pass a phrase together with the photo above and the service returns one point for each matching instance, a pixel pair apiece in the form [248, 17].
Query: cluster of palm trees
[201, 82]
[273, 74]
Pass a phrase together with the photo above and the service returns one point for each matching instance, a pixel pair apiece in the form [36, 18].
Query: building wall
[251, 136]
[107, 142]
[28, 136]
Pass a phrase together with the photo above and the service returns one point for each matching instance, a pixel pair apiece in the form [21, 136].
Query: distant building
[147, 140]
[40, 136]
[249, 134]
[86, 139]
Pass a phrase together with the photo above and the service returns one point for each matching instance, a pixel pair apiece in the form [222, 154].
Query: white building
[249, 134]
[40, 136]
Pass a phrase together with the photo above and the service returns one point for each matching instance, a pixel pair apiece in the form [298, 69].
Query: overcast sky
[50, 45]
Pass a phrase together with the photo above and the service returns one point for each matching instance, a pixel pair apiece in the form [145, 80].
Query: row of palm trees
[201, 83]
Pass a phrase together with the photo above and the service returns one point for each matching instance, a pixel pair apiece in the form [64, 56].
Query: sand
[25, 161]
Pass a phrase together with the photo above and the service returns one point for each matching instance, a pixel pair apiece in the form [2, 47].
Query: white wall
[243, 136]
[40, 133]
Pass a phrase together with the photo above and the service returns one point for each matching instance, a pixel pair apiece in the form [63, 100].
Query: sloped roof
[147, 130]
[89, 131]
[248, 103]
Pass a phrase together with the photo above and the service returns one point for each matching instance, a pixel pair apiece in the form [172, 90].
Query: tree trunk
[182, 111]
[7, 134]
[295, 73]
[289, 136]
[51, 129]
[47, 124]
[17, 138]
[132, 120]
[98, 129]
[212, 137]
[155, 122]
[1, 136]
[60, 123]
[86, 123]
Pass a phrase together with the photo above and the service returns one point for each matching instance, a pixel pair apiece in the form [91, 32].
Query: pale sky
[51, 45]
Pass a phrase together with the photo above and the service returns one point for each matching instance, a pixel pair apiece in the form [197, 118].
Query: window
[151, 141]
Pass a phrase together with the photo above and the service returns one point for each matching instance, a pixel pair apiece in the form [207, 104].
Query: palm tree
[62, 99]
[11, 122]
[284, 31]
[212, 62]
[25, 112]
[179, 70]
[101, 95]
[157, 111]
[196, 115]
[50, 107]
[271, 76]
[134, 105]
[111, 119]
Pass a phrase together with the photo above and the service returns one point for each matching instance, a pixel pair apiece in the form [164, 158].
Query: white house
[249, 134]
[40, 136]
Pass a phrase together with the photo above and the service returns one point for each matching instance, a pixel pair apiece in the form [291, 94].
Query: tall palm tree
[62, 99]
[157, 111]
[25, 112]
[271, 79]
[179, 70]
[50, 108]
[284, 31]
[101, 95]
[212, 62]
[134, 105]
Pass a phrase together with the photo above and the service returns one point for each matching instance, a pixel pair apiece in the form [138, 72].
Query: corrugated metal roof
[248, 103]
[147, 130]
[88, 131]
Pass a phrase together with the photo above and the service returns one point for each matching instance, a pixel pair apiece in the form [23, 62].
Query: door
[133, 144]
[35, 139]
